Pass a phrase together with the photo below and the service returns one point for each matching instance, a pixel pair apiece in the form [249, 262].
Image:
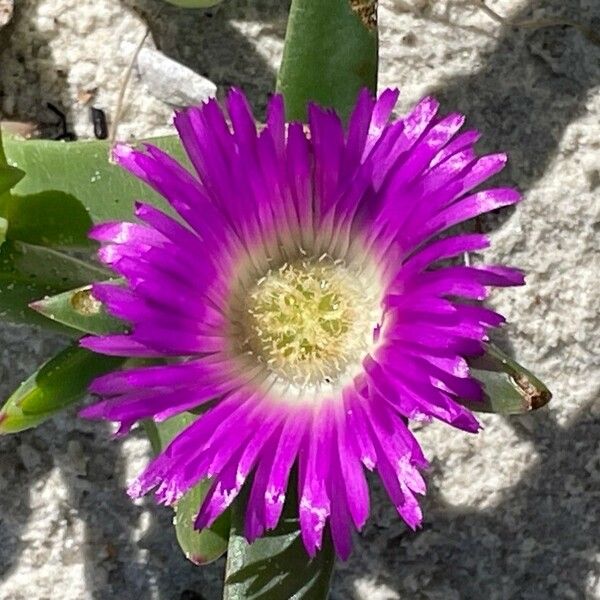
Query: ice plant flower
[300, 299]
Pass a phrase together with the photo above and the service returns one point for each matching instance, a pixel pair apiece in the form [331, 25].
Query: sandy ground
[512, 512]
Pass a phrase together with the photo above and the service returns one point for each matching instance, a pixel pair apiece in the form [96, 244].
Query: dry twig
[590, 34]
[124, 84]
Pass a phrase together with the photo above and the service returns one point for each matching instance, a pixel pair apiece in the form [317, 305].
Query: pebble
[170, 81]
[6, 11]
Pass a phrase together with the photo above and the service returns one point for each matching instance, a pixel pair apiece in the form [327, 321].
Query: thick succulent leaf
[59, 383]
[510, 389]
[330, 53]
[80, 176]
[47, 217]
[29, 272]
[276, 566]
[201, 547]
[50, 218]
[80, 310]
[204, 546]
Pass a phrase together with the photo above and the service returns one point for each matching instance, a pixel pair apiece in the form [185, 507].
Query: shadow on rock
[208, 42]
[130, 550]
[20, 39]
[530, 86]
[539, 542]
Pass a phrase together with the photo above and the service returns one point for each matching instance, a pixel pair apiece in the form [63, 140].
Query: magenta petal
[358, 129]
[395, 483]
[145, 404]
[299, 174]
[123, 232]
[442, 249]
[177, 342]
[420, 118]
[222, 493]
[314, 471]
[276, 123]
[400, 454]
[481, 315]
[483, 169]
[178, 375]
[434, 401]
[458, 144]
[340, 521]
[125, 304]
[293, 432]
[170, 228]
[466, 209]
[241, 117]
[353, 477]
[228, 483]
[427, 148]
[499, 275]
[448, 281]
[118, 345]
[327, 136]
[382, 110]
[255, 519]
[357, 429]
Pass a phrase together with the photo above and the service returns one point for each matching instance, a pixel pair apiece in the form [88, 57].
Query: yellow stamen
[310, 322]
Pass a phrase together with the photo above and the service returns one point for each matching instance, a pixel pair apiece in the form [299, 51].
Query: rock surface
[512, 512]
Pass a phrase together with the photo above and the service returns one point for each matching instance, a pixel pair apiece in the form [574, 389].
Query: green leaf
[80, 310]
[50, 218]
[204, 546]
[59, 383]
[29, 272]
[47, 217]
[200, 547]
[276, 566]
[330, 53]
[79, 172]
[510, 389]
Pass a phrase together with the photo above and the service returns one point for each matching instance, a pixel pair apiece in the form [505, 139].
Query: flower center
[311, 322]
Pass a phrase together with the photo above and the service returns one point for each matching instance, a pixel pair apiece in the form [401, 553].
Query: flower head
[299, 294]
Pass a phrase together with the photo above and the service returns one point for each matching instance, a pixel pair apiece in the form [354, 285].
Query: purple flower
[297, 297]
